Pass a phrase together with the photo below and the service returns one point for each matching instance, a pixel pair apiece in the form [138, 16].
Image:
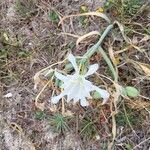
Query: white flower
[8, 95]
[76, 86]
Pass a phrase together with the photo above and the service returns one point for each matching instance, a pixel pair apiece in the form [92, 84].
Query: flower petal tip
[92, 69]
[55, 100]
[70, 57]
[84, 102]
[60, 76]
[105, 100]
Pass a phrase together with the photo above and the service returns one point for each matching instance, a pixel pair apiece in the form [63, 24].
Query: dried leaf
[68, 113]
[100, 9]
[98, 14]
[83, 9]
[145, 68]
[36, 80]
[122, 32]
[114, 59]
[145, 38]
[16, 127]
[6, 37]
[53, 108]
[41, 106]
[81, 38]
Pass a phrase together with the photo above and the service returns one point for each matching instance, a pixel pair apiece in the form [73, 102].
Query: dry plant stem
[36, 76]
[128, 40]
[69, 34]
[113, 108]
[113, 127]
[134, 148]
[133, 103]
[63, 106]
[81, 38]
[115, 68]
[86, 14]
[101, 75]
[60, 62]
[117, 93]
[129, 121]
[37, 97]
[16, 127]
[123, 50]
[148, 98]
[14, 62]
[115, 97]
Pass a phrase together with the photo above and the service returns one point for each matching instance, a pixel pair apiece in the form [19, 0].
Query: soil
[30, 40]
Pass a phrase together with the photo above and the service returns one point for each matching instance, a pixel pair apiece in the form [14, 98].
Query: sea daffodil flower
[76, 87]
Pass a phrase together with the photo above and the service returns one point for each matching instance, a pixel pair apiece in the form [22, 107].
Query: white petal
[8, 95]
[104, 101]
[75, 100]
[56, 99]
[60, 76]
[88, 88]
[72, 59]
[104, 94]
[71, 94]
[77, 95]
[84, 102]
[92, 69]
[86, 92]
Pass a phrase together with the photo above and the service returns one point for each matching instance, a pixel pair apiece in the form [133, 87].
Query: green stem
[97, 48]
[109, 63]
[94, 48]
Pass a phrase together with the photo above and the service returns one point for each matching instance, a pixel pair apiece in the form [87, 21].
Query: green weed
[60, 123]
[23, 53]
[54, 17]
[125, 8]
[131, 7]
[39, 115]
[128, 116]
[87, 129]
[83, 20]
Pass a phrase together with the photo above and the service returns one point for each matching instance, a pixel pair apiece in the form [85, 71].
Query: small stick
[63, 106]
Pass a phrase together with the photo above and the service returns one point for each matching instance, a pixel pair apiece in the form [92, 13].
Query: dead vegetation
[31, 39]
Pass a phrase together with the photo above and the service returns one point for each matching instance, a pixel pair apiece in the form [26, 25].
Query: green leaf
[128, 146]
[123, 91]
[54, 16]
[68, 67]
[58, 83]
[39, 115]
[131, 91]
[71, 45]
[24, 54]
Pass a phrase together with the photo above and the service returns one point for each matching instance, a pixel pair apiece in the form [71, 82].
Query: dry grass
[30, 39]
